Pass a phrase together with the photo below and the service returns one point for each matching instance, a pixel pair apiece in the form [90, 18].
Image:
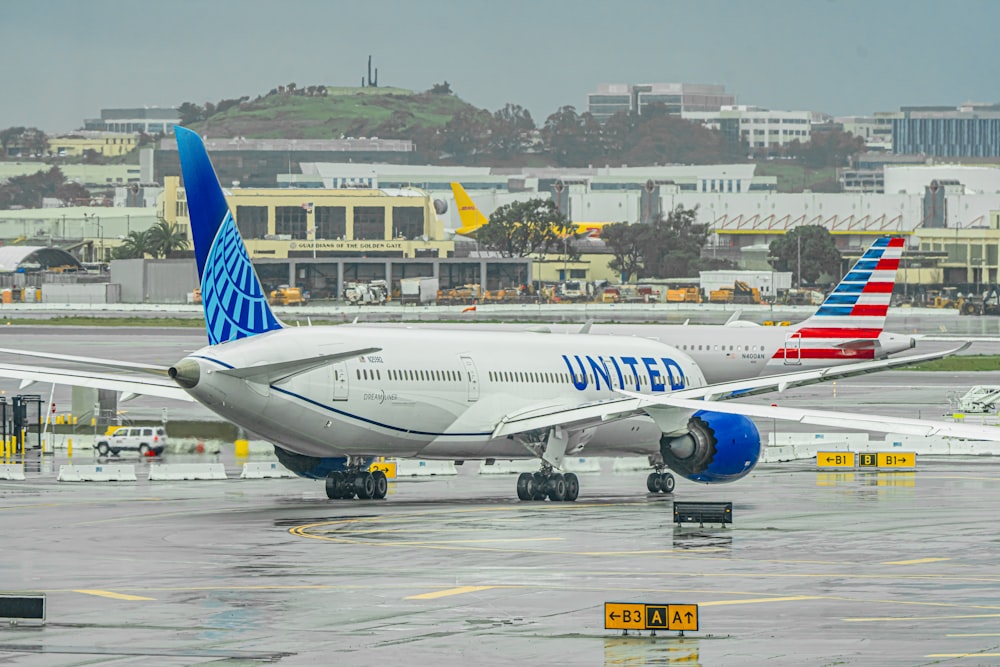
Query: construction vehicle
[947, 297]
[286, 295]
[988, 303]
[374, 293]
[740, 292]
[462, 295]
[683, 295]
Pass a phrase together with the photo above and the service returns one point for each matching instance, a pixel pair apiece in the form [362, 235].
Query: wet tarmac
[817, 568]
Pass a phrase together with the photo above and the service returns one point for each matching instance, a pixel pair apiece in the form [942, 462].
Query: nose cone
[186, 373]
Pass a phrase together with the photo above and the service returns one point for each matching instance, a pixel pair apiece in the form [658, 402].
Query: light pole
[798, 260]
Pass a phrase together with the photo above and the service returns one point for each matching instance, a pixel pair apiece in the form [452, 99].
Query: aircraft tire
[334, 486]
[364, 485]
[539, 487]
[667, 482]
[654, 482]
[381, 485]
[572, 487]
[524, 486]
[557, 488]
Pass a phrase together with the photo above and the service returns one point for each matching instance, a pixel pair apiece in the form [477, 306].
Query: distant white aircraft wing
[782, 381]
[594, 413]
[129, 384]
[851, 420]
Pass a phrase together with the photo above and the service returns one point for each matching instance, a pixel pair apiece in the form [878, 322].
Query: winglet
[233, 300]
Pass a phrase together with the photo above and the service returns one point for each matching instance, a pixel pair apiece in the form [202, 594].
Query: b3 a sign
[640, 616]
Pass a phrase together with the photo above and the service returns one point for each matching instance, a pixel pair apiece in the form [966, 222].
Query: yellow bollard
[69, 447]
[242, 447]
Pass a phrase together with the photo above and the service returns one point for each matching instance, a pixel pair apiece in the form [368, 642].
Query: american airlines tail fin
[850, 320]
[234, 302]
[470, 215]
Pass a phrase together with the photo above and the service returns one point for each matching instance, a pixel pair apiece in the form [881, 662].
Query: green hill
[387, 113]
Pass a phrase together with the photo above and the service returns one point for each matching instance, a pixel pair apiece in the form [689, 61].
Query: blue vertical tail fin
[234, 302]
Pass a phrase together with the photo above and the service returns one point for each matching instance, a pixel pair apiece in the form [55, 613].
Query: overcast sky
[62, 61]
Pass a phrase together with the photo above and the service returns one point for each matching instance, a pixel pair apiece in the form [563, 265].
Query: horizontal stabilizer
[92, 361]
[136, 384]
[283, 370]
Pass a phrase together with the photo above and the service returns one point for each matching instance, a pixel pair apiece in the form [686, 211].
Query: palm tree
[166, 238]
[134, 246]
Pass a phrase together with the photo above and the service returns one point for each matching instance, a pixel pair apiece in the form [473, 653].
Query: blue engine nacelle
[718, 447]
[312, 467]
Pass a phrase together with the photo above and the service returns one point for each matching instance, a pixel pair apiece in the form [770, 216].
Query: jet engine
[718, 447]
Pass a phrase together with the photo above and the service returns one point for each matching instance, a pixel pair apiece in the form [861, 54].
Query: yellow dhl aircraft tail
[472, 218]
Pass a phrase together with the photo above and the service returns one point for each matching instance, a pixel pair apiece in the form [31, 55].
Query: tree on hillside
[524, 228]
[467, 134]
[190, 113]
[808, 251]
[826, 148]
[571, 139]
[29, 190]
[627, 243]
[511, 133]
[662, 138]
[440, 89]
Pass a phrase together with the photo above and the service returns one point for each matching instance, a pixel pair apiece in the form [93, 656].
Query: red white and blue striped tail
[848, 324]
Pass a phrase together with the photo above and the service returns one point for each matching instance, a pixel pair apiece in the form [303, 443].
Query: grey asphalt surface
[818, 568]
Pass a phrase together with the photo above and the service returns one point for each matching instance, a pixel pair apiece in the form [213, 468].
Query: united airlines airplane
[331, 398]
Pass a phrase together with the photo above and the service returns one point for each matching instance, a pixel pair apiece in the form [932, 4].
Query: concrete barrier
[11, 471]
[416, 468]
[264, 470]
[576, 464]
[113, 472]
[182, 471]
[631, 464]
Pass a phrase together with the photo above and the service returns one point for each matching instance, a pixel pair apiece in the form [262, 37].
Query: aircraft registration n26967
[332, 397]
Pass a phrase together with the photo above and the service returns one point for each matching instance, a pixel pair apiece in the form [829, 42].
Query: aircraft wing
[130, 385]
[704, 398]
[827, 418]
[782, 381]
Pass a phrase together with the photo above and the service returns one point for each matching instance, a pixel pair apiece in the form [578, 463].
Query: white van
[141, 439]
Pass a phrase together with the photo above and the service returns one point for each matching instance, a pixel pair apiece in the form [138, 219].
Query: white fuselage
[436, 394]
[723, 352]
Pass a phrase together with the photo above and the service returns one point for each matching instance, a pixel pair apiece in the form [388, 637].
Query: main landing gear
[548, 484]
[356, 481]
[660, 482]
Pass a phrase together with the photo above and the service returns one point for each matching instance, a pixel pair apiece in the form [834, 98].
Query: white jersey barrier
[11, 471]
[108, 472]
[417, 468]
[183, 471]
[264, 470]
[575, 464]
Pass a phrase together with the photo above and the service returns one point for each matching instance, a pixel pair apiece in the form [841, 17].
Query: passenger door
[793, 349]
[472, 377]
[340, 386]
